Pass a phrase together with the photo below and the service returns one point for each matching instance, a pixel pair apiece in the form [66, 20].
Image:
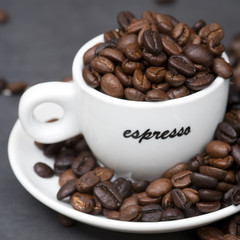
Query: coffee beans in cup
[156, 58]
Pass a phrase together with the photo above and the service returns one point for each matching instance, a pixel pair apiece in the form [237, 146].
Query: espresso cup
[139, 140]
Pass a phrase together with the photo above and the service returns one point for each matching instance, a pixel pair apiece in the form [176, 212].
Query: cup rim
[78, 65]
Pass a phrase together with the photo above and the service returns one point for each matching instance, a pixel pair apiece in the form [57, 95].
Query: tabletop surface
[38, 44]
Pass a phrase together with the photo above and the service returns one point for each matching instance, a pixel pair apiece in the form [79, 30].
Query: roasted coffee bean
[179, 199]
[102, 65]
[224, 187]
[203, 181]
[233, 226]
[129, 66]
[182, 65]
[209, 31]
[97, 209]
[66, 190]
[64, 159]
[136, 26]
[133, 94]
[223, 163]
[207, 207]
[91, 77]
[151, 213]
[144, 199]
[17, 87]
[140, 186]
[82, 202]
[192, 211]
[85, 162]
[218, 149]
[230, 237]
[170, 47]
[125, 40]
[152, 42]
[222, 68]
[174, 80]
[65, 221]
[226, 133]
[3, 16]
[209, 233]
[51, 150]
[179, 167]
[236, 153]
[233, 118]
[233, 195]
[213, 172]
[215, 47]
[199, 54]
[156, 74]
[111, 85]
[230, 177]
[173, 19]
[107, 195]
[112, 54]
[156, 95]
[106, 45]
[125, 79]
[146, 27]
[133, 52]
[198, 25]
[159, 187]
[3, 84]
[123, 186]
[132, 200]
[86, 182]
[161, 86]
[181, 33]
[43, 170]
[113, 34]
[167, 200]
[191, 194]
[140, 81]
[177, 92]
[181, 179]
[208, 195]
[111, 214]
[124, 19]
[196, 162]
[89, 55]
[154, 59]
[164, 24]
[172, 214]
[131, 213]
[66, 176]
[81, 145]
[104, 173]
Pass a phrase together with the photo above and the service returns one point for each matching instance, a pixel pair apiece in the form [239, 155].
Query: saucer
[23, 154]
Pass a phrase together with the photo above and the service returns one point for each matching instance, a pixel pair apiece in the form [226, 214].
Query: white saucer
[23, 155]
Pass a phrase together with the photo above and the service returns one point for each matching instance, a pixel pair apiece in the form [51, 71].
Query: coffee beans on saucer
[156, 58]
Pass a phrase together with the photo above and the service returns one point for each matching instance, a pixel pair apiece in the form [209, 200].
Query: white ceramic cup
[136, 139]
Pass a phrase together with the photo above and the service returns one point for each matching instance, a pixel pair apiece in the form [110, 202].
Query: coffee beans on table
[156, 58]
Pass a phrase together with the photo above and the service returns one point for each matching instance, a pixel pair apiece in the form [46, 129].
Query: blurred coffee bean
[222, 68]
[82, 202]
[65, 221]
[209, 232]
[151, 213]
[198, 25]
[140, 186]
[43, 170]
[66, 190]
[123, 186]
[167, 201]
[17, 87]
[111, 214]
[164, 23]
[3, 16]
[67, 79]
[66, 176]
[124, 19]
[226, 133]
[131, 213]
[3, 84]
[172, 214]
[232, 196]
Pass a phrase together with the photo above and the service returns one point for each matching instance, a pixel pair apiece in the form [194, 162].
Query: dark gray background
[38, 45]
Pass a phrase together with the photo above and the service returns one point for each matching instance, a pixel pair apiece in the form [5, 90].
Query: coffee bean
[182, 65]
[17, 87]
[172, 214]
[125, 79]
[156, 95]
[133, 94]
[222, 68]
[125, 40]
[111, 85]
[209, 31]
[43, 170]
[203, 181]
[178, 92]
[132, 200]
[233, 226]
[140, 81]
[170, 47]
[124, 19]
[208, 195]
[230, 237]
[113, 34]
[199, 54]
[102, 65]
[151, 213]
[232, 196]
[181, 179]
[191, 195]
[136, 26]
[86, 182]
[192, 211]
[233, 118]
[104, 173]
[218, 149]
[129, 66]
[64, 160]
[159, 187]
[161, 86]
[85, 162]
[3, 16]
[207, 207]
[156, 74]
[179, 167]
[123, 186]
[174, 80]
[213, 172]
[198, 25]
[131, 213]
[144, 199]
[66, 176]
[164, 24]
[133, 52]
[154, 59]
[82, 202]
[180, 199]
[226, 133]
[107, 195]
[66, 190]
[215, 47]
[106, 45]
[80, 145]
[223, 187]
[181, 33]
[89, 55]
[209, 233]
[167, 201]
[91, 77]
[111, 214]
[196, 162]
[236, 153]
[113, 54]
[230, 177]
[65, 221]
[223, 163]
[140, 186]
[152, 42]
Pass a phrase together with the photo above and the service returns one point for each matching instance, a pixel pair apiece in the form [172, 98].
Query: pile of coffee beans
[156, 58]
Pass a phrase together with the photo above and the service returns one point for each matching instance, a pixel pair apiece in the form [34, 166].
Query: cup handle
[61, 93]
